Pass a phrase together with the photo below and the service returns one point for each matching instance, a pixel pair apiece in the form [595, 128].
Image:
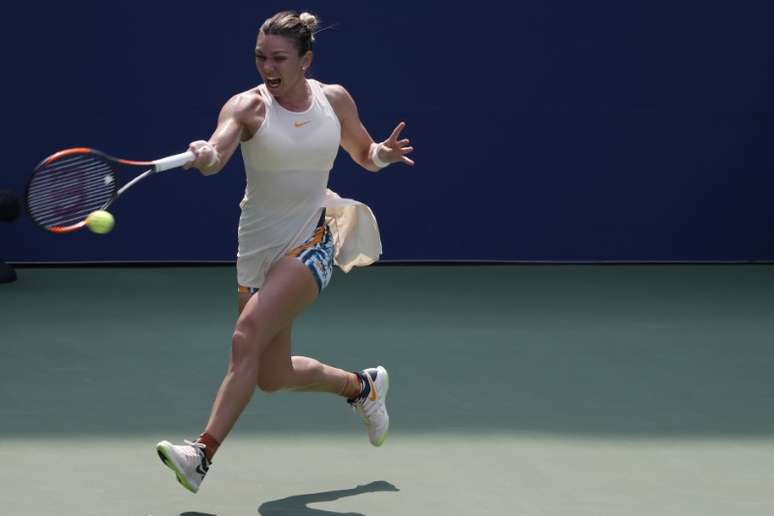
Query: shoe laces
[197, 448]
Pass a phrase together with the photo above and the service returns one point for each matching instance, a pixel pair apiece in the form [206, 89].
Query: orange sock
[211, 444]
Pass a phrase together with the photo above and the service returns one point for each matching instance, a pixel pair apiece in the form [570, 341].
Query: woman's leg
[288, 289]
[279, 370]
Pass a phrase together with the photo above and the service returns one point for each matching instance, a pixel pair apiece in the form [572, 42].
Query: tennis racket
[68, 185]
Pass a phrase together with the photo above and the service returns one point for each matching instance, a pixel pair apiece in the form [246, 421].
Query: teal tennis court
[533, 390]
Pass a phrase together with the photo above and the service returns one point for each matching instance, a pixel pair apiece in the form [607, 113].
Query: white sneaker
[372, 408]
[188, 461]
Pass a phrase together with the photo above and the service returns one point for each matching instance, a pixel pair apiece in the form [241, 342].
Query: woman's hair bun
[309, 20]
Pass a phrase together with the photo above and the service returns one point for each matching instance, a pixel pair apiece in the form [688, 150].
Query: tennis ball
[100, 221]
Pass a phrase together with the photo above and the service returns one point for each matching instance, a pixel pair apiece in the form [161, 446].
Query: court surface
[519, 390]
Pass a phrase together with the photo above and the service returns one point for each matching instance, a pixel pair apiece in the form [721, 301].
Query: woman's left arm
[356, 140]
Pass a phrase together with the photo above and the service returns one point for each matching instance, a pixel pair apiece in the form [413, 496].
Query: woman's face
[279, 64]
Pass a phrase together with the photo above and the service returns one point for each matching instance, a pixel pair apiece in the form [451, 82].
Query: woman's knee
[273, 382]
[300, 372]
[245, 350]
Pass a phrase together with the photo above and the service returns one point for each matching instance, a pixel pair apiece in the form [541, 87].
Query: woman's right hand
[207, 159]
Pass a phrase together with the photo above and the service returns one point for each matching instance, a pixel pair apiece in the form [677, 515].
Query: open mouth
[273, 83]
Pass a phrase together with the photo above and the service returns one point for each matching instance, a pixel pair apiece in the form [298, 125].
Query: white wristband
[375, 155]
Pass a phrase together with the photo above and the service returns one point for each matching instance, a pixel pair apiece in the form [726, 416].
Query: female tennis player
[289, 129]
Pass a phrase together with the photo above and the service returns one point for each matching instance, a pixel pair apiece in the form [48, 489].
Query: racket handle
[178, 160]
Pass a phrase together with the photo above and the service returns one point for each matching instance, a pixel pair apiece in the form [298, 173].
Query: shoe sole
[161, 449]
[386, 389]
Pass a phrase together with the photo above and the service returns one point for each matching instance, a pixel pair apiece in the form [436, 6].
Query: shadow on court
[613, 350]
[297, 505]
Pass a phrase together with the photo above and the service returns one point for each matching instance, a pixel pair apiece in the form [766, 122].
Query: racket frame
[159, 165]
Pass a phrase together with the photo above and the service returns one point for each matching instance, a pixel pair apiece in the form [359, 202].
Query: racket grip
[178, 160]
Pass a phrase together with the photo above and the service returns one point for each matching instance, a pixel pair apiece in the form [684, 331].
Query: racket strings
[66, 190]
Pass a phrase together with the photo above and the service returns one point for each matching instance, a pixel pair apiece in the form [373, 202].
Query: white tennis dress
[287, 163]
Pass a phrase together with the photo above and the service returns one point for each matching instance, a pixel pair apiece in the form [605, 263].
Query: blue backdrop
[544, 130]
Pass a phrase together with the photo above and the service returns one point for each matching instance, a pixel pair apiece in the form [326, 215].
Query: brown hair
[298, 27]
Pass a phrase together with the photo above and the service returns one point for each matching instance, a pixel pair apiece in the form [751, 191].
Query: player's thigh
[289, 287]
[275, 364]
[275, 359]
[242, 299]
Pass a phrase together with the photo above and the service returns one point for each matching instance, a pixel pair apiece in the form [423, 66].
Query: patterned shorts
[317, 254]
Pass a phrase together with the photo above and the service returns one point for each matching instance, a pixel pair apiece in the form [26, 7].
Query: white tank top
[287, 163]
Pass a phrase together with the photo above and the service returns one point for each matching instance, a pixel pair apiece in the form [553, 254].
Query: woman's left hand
[393, 150]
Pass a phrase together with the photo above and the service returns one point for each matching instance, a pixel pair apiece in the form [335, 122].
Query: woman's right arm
[240, 117]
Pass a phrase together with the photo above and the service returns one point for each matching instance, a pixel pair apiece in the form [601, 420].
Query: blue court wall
[544, 130]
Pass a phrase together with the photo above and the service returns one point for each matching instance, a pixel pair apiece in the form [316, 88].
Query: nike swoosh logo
[300, 124]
